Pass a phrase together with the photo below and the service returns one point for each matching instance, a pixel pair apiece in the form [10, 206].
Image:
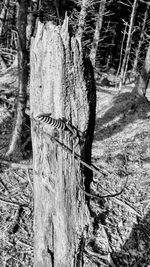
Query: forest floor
[121, 148]
[120, 233]
[16, 191]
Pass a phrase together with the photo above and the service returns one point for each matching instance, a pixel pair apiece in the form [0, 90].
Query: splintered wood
[58, 87]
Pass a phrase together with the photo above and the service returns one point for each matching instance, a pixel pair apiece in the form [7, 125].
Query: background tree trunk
[31, 21]
[142, 84]
[22, 78]
[128, 45]
[141, 39]
[98, 28]
[60, 85]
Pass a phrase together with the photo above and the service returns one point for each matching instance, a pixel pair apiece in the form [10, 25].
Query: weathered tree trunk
[140, 41]
[142, 84]
[82, 17]
[121, 50]
[22, 77]
[128, 44]
[61, 86]
[97, 32]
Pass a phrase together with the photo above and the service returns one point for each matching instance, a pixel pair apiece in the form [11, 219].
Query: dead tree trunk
[140, 41]
[22, 77]
[121, 50]
[97, 32]
[128, 45]
[142, 84]
[82, 17]
[60, 85]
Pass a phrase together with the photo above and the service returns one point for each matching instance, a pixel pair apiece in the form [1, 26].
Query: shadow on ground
[135, 251]
[126, 109]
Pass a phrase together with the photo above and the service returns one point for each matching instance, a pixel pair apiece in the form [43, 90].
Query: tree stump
[59, 84]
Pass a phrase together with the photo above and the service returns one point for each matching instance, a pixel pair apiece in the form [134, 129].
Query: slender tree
[128, 44]
[122, 44]
[141, 39]
[22, 77]
[98, 28]
[142, 84]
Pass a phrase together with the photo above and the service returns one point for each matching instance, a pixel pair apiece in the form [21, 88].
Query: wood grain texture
[58, 86]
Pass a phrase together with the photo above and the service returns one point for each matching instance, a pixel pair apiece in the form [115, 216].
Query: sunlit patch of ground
[121, 147]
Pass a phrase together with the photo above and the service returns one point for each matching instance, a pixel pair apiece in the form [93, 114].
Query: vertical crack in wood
[86, 151]
[79, 257]
[49, 240]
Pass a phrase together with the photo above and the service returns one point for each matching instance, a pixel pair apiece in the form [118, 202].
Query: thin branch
[127, 206]
[29, 179]
[96, 170]
[15, 204]
[15, 165]
[91, 167]
[24, 244]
